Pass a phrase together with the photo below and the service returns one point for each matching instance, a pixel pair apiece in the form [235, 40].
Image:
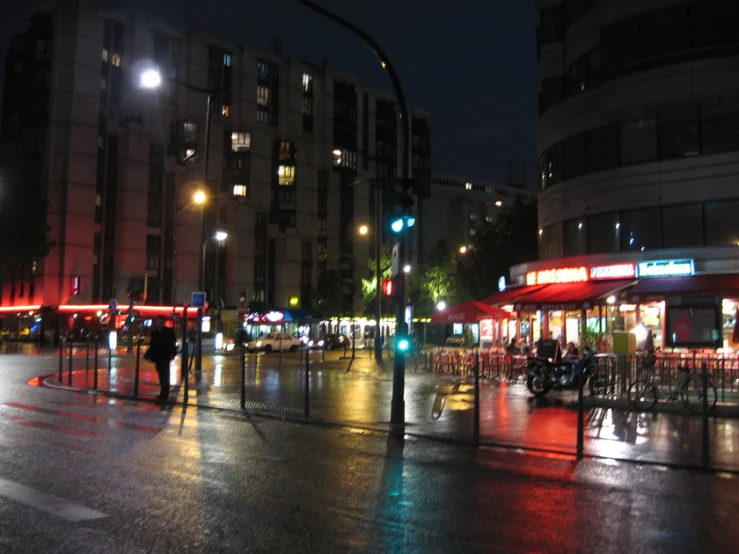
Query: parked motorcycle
[545, 375]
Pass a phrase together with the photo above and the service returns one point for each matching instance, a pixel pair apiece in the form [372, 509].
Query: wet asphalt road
[133, 477]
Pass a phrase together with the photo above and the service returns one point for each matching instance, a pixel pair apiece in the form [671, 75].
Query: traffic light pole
[397, 408]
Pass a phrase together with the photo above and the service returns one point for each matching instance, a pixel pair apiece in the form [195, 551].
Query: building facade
[294, 152]
[458, 206]
[638, 145]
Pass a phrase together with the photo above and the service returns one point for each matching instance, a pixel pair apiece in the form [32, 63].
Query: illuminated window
[286, 175]
[115, 59]
[98, 200]
[262, 95]
[468, 186]
[227, 60]
[105, 54]
[226, 110]
[262, 116]
[240, 142]
[240, 190]
[307, 82]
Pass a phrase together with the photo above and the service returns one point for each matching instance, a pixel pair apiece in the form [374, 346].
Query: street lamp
[406, 268]
[462, 249]
[363, 230]
[397, 407]
[151, 78]
[441, 305]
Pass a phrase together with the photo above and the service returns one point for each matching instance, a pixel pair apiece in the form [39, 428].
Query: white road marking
[47, 503]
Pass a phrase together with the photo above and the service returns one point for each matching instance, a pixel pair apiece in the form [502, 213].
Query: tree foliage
[23, 229]
[509, 240]
[369, 286]
[327, 298]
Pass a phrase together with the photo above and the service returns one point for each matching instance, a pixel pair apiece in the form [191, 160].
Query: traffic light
[387, 287]
[400, 206]
[402, 342]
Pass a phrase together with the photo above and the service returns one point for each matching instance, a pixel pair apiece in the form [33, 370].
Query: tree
[440, 279]
[327, 298]
[509, 240]
[23, 227]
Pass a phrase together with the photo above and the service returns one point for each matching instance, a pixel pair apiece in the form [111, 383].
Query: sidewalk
[359, 392]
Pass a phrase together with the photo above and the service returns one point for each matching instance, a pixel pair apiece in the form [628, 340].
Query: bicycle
[644, 394]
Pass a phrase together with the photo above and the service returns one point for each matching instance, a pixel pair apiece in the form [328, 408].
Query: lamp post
[151, 78]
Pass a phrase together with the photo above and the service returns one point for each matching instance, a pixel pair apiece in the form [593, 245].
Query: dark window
[550, 166]
[550, 242]
[720, 129]
[603, 233]
[573, 157]
[602, 149]
[550, 25]
[665, 31]
[678, 135]
[575, 237]
[640, 230]
[638, 142]
[682, 226]
[573, 9]
[713, 23]
[619, 43]
[552, 93]
[722, 223]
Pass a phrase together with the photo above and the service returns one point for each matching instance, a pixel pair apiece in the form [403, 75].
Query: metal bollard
[138, 365]
[243, 376]
[476, 418]
[705, 454]
[61, 359]
[323, 354]
[110, 361]
[95, 370]
[69, 375]
[87, 357]
[306, 399]
[580, 415]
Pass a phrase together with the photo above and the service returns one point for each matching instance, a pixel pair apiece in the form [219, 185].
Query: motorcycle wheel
[537, 384]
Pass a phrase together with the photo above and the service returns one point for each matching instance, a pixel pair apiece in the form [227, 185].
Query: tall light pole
[152, 78]
[397, 407]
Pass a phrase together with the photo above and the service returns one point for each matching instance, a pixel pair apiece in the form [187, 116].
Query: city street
[84, 473]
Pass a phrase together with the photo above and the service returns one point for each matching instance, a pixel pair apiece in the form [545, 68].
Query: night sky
[470, 63]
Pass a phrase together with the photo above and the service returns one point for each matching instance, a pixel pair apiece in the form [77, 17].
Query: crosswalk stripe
[47, 503]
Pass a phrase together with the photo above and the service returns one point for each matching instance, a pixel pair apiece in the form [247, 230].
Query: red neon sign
[562, 275]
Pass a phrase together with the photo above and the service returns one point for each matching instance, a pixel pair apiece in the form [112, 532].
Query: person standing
[162, 350]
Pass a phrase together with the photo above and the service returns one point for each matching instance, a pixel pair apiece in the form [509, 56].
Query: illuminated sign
[293, 301]
[274, 317]
[625, 270]
[563, 275]
[501, 284]
[665, 268]
[269, 317]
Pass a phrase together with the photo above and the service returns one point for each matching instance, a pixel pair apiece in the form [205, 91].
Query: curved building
[638, 137]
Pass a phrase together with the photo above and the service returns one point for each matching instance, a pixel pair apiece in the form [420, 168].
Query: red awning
[572, 296]
[655, 290]
[510, 295]
[469, 312]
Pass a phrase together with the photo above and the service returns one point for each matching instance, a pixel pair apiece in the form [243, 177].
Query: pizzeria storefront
[592, 304]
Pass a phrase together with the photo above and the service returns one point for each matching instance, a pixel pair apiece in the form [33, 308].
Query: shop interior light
[611, 299]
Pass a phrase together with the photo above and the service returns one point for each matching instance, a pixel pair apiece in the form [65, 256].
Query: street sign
[112, 306]
[395, 260]
[197, 300]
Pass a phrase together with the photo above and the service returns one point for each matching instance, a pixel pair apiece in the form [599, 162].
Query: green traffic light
[397, 225]
[403, 345]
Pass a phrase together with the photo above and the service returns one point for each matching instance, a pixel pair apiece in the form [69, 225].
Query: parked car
[273, 342]
[336, 341]
[455, 340]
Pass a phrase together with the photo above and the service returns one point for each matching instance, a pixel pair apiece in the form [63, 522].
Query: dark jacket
[163, 345]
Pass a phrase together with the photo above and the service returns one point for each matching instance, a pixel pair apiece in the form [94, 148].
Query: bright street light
[441, 306]
[462, 249]
[221, 235]
[199, 197]
[363, 230]
[406, 268]
[150, 78]
[499, 203]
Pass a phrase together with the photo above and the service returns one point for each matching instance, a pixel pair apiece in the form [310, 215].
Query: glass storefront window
[603, 233]
[722, 223]
[575, 237]
[678, 135]
[639, 142]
